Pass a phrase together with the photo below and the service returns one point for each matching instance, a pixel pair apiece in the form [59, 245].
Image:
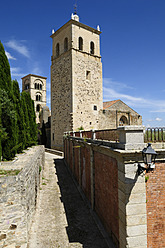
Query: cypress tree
[26, 119]
[0, 135]
[31, 117]
[21, 134]
[8, 119]
[5, 76]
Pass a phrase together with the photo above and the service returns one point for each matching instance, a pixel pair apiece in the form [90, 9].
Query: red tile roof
[108, 104]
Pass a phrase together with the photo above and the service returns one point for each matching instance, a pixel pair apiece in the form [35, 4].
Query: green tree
[5, 76]
[0, 135]
[8, 119]
[31, 117]
[20, 130]
[26, 119]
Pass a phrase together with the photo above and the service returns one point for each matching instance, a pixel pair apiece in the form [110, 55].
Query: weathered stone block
[140, 241]
[135, 209]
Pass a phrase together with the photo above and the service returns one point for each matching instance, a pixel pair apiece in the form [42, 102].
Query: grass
[9, 172]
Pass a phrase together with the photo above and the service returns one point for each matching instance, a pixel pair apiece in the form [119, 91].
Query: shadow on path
[81, 226]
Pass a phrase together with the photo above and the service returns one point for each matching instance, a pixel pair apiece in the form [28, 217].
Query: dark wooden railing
[107, 134]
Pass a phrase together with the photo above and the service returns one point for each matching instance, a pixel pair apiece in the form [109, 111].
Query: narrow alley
[62, 218]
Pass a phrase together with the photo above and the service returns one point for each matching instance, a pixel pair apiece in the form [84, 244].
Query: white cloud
[19, 47]
[111, 92]
[158, 110]
[36, 70]
[158, 119]
[15, 72]
[9, 56]
[114, 84]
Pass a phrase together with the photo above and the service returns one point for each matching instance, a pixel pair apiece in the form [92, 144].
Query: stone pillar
[93, 134]
[131, 137]
[131, 189]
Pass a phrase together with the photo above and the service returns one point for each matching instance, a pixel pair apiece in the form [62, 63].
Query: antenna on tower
[75, 8]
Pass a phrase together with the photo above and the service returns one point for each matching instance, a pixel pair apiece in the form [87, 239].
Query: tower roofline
[79, 24]
[32, 75]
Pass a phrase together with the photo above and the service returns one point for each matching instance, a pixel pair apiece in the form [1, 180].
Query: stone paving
[62, 218]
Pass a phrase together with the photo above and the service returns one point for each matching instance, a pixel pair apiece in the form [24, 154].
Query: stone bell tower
[76, 79]
[36, 86]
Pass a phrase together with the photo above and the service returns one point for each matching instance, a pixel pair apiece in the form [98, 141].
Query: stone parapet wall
[19, 185]
[130, 205]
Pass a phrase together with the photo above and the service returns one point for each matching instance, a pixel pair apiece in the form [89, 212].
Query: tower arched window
[40, 86]
[66, 44]
[38, 97]
[92, 47]
[57, 49]
[80, 41]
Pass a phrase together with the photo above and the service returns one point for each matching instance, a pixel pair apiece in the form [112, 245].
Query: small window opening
[40, 86]
[53, 136]
[80, 43]
[88, 75]
[95, 107]
[90, 123]
[35, 86]
[57, 49]
[66, 44]
[92, 47]
[38, 98]
[123, 121]
[26, 86]
[38, 108]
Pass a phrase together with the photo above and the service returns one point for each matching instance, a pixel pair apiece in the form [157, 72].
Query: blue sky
[132, 46]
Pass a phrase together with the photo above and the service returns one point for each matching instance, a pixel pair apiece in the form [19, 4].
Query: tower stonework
[76, 79]
[36, 86]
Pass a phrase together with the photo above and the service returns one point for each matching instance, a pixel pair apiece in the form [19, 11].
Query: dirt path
[62, 218]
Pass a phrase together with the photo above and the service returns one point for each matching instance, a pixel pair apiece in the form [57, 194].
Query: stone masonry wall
[87, 90]
[18, 196]
[111, 118]
[61, 99]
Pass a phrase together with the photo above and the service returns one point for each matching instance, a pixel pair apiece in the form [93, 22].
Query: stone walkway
[62, 218]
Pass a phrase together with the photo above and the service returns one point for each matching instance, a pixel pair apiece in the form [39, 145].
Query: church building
[76, 84]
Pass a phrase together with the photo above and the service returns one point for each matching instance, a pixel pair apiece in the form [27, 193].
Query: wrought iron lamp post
[149, 156]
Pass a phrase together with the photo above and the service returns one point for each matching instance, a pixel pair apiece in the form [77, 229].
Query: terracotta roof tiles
[108, 104]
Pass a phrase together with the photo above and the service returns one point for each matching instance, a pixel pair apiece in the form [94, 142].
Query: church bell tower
[76, 79]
